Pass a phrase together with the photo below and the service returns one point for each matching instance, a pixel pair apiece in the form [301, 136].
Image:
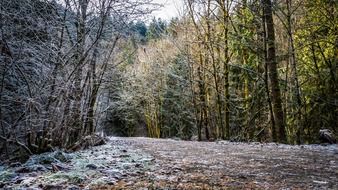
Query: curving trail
[143, 163]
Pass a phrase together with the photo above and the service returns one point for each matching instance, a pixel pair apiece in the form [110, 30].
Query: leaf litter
[144, 163]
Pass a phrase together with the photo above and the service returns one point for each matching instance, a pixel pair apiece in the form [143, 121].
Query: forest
[242, 71]
[222, 72]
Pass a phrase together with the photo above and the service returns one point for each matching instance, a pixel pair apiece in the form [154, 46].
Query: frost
[143, 163]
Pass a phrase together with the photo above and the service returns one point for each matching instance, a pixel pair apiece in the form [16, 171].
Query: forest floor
[143, 163]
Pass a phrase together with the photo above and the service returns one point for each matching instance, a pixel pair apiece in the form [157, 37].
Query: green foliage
[316, 40]
[177, 106]
[139, 29]
[171, 29]
[170, 90]
[156, 28]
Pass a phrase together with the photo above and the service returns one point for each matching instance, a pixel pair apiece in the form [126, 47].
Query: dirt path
[216, 165]
[142, 163]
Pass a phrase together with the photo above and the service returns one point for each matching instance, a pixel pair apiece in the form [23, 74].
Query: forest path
[143, 163]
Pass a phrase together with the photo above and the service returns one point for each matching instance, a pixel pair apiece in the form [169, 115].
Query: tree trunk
[295, 89]
[271, 62]
[76, 123]
[224, 6]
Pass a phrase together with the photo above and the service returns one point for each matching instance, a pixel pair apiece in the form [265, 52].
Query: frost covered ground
[143, 163]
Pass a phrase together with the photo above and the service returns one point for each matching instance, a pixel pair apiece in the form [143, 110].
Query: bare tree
[54, 56]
